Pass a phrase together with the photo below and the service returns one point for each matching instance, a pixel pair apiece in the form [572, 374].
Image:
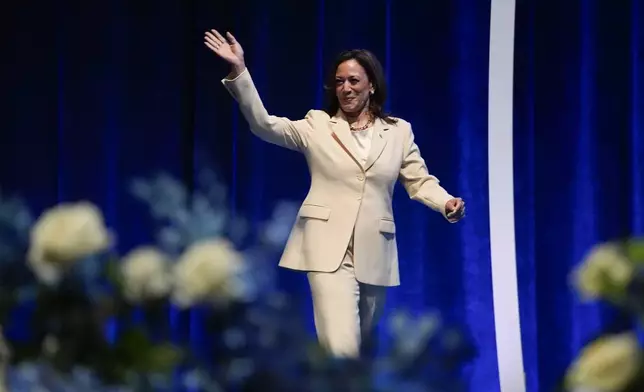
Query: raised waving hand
[228, 48]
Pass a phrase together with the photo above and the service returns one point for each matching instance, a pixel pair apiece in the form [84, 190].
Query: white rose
[146, 275]
[207, 272]
[63, 235]
[605, 272]
[608, 364]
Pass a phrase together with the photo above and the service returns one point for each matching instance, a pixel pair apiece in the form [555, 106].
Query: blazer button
[360, 177]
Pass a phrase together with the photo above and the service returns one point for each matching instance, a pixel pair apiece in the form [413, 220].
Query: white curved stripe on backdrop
[501, 196]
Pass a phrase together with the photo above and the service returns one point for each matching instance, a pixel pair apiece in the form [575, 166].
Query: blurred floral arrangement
[78, 316]
[612, 273]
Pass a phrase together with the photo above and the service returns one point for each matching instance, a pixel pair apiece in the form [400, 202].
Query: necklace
[362, 128]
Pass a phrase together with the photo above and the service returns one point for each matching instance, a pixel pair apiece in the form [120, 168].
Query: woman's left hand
[455, 209]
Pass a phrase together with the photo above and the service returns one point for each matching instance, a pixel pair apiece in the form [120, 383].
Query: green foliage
[634, 249]
[136, 352]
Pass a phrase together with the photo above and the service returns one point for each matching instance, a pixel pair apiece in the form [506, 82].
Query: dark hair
[376, 76]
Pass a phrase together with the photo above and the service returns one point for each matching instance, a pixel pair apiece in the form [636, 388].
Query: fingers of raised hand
[214, 40]
[231, 38]
[211, 45]
[218, 36]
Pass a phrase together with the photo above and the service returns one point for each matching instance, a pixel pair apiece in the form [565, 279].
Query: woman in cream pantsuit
[345, 233]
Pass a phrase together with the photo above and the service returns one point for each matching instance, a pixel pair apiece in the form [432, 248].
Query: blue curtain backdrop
[95, 93]
[579, 169]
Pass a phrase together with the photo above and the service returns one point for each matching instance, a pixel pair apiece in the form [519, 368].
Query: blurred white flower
[605, 272]
[209, 272]
[63, 235]
[146, 274]
[609, 364]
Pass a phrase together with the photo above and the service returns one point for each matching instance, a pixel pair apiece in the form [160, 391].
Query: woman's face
[352, 87]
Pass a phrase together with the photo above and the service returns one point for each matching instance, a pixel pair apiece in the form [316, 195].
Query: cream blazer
[345, 199]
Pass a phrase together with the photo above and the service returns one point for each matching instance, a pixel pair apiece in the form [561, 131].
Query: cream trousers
[345, 310]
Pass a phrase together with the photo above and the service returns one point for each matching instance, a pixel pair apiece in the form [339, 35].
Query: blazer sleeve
[420, 185]
[281, 131]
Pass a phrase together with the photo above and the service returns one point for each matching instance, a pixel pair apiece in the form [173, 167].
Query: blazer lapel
[378, 142]
[342, 135]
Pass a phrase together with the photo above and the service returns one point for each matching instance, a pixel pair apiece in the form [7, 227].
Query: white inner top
[363, 143]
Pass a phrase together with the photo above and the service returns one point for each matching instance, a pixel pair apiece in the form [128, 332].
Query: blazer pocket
[387, 226]
[315, 212]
